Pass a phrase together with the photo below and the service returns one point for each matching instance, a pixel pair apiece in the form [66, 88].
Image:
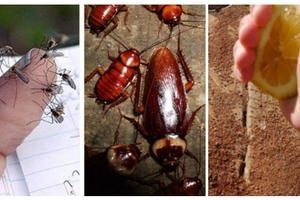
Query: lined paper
[13, 183]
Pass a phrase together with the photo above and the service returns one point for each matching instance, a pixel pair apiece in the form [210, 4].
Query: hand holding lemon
[267, 53]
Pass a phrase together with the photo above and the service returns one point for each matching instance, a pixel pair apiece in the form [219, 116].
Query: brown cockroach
[122, 159]
[110, 168]
[169, 14]
[166, 119]
[184, 186]
[102, 15]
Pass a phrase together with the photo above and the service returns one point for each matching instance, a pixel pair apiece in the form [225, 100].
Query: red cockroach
[112, 84]
[169, 14]
[102, 15]
[166, 119]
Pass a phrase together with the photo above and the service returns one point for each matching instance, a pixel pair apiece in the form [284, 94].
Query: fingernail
[26, 60]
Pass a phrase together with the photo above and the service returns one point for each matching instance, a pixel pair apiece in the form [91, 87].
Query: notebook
[47, 163]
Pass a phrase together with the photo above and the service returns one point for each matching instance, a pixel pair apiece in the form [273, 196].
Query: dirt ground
[100, 135]
[252, 149]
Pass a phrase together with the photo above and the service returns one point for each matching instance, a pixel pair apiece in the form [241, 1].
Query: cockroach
[169, 14]
[111, 87]
[116, 165]
[185, 186]
[102, 15]
[166, 119]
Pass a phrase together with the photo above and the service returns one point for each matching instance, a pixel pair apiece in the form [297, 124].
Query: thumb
[291, 107]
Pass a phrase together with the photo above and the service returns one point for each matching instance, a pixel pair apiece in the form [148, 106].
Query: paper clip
[69, 188]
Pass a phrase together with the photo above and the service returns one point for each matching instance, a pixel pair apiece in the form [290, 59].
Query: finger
[249, 33]
[291, 107]
[261, 14]
[243, 75]
[243, 57]
[17, 105]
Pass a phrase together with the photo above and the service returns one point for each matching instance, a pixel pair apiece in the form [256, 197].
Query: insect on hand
[56, 112]
[19, 109]
[67, 78]
[50, 90]
[21, 65]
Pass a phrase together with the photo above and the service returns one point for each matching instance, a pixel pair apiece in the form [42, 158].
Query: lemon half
[277, 53]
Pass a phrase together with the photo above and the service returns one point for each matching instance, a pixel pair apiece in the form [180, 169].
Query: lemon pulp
[277, 53]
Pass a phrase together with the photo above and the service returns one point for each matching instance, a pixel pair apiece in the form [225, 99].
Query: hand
[19, 114]
[244, 56]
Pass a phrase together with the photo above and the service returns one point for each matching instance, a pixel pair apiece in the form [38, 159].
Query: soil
[252, 148]
[100, 130]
